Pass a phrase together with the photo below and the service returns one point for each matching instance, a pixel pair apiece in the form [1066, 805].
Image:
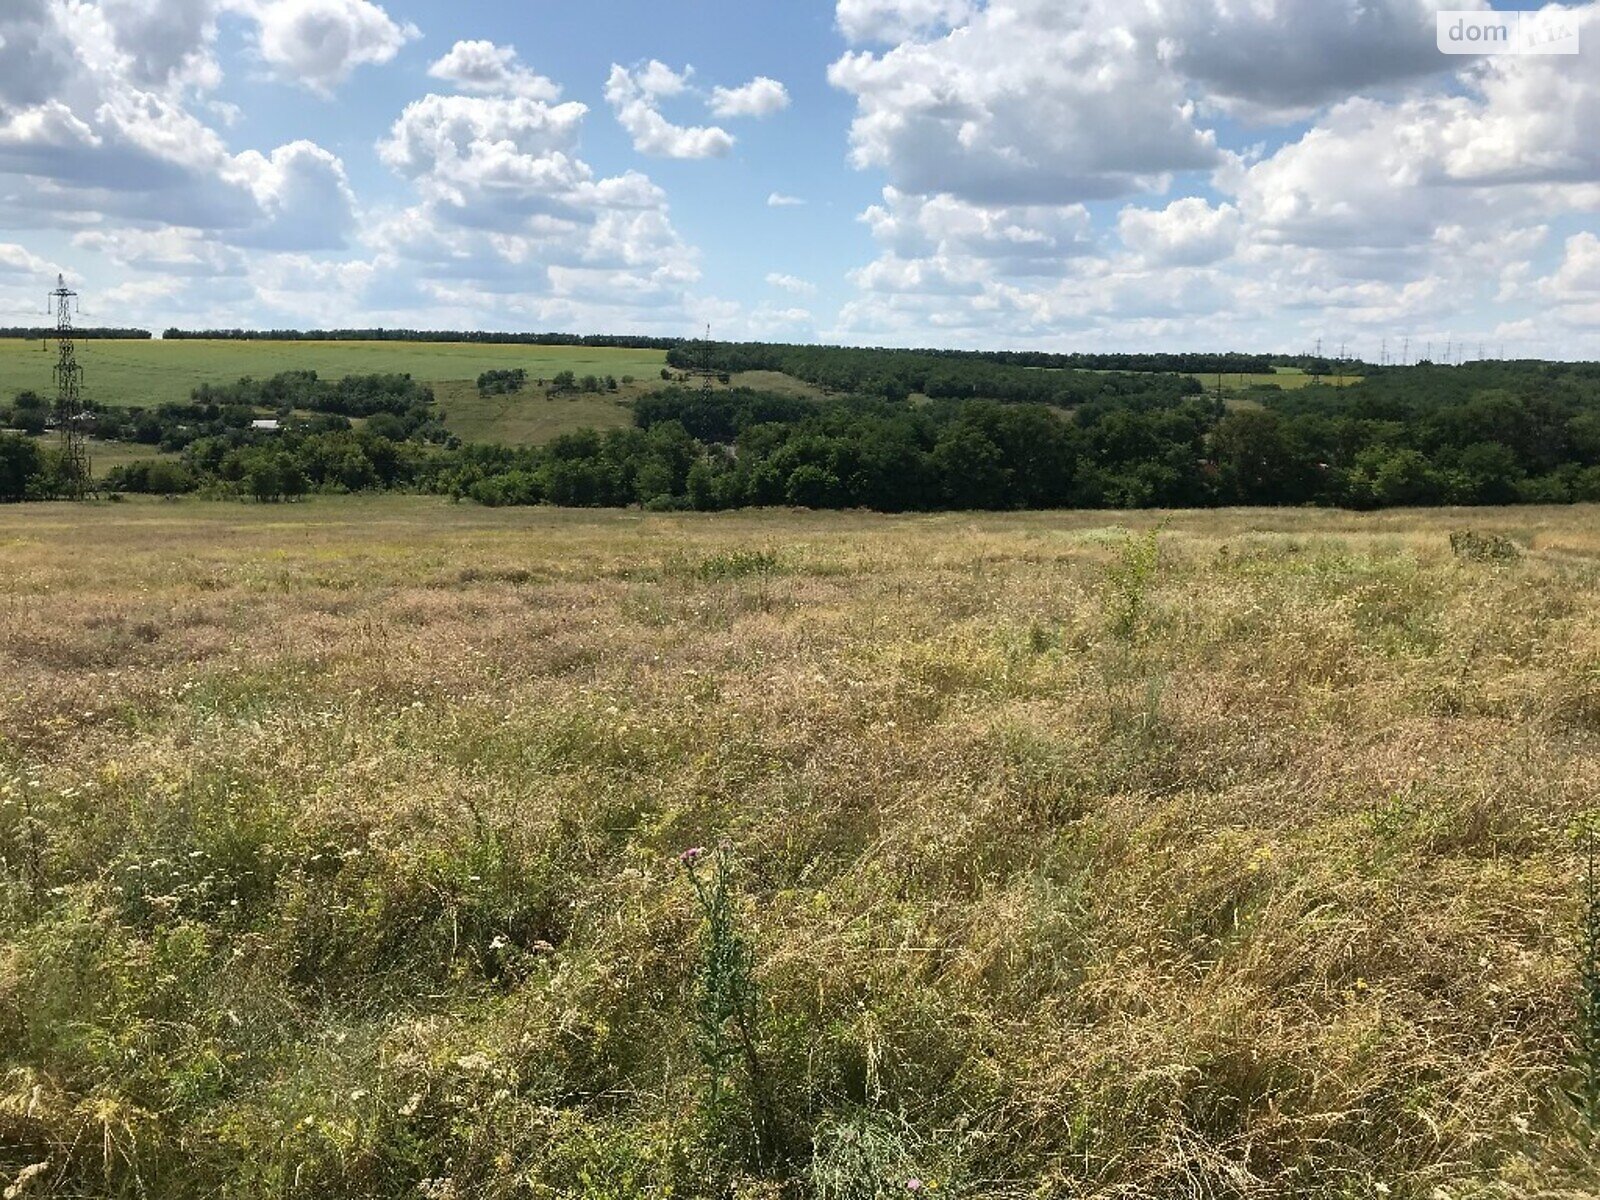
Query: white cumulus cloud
[483, 67]
[319, 43]
[635, 97]
[791, 283]
[761, 97]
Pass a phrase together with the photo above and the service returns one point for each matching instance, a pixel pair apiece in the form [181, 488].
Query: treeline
[940, 375]
[393, 407]
[484, 337]
[351, 396]
[1459, 444]
[1482, 434]
[771, 356]
[93, 333]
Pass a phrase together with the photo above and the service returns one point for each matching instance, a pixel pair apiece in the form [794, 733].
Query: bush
[1477, 547]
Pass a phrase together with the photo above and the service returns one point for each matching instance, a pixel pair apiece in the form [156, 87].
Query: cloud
[900, 20]
[1577, 279]
[483, 67]
[19, 260]
[165, 43]
[967, 239]
[305, 198]
[1188, 232]
[1026, 103]
[779, 200]
[634, 97]
[112, 137]
[761, 97]
[507, 206]
[169, 251]
[791, 283]
[1274, 59]
[319, 43]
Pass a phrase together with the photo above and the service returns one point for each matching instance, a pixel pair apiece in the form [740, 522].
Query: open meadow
[148, 373]
[1046, 855]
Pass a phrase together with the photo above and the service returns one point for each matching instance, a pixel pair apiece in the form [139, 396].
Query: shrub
[1477, 547]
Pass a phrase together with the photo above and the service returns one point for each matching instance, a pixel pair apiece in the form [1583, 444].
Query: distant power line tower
[707, 375]
[77, 478]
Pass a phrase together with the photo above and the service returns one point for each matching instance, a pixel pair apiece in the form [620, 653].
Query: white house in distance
[269, 425]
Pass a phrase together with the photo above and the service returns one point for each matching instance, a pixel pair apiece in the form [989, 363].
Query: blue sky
[1061, 174]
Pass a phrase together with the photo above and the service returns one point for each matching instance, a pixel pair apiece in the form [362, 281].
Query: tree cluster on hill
[1487, 434]
[480, 336]
[1451, 439]
[502, 383]
[772, 356]
[351, 396]
[568, 382]
[88, 334]
[941, 375]
[225, 448]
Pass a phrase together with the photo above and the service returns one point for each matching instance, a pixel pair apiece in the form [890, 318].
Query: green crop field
[156, 372]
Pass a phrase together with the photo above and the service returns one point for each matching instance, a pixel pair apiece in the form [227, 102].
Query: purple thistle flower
[692, 855]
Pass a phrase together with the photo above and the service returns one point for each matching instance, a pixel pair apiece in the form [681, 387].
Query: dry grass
[339, 849]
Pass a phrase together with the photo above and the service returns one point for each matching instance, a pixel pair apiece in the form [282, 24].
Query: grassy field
[340, 852]
[154, 372]
[1289, 379]
[531, 417]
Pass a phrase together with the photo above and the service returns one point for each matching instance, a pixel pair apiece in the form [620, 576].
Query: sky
[1069, 175]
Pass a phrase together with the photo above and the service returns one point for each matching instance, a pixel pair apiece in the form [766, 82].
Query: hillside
[147, 373]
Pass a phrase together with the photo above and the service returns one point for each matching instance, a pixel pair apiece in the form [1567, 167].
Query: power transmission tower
[706, 374]
[77, 478]
[1405, 355]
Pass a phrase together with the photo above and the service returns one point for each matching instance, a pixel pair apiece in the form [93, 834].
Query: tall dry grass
[339, 851]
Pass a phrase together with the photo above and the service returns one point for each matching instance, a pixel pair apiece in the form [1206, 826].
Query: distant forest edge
[691, 354]
[479, 336]
[86, 334]
[1482, 433]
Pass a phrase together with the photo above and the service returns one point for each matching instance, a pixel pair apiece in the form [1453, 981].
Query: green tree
[19, 465]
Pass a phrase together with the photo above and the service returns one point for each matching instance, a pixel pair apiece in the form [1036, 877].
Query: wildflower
[913, 1184]
[692, 855]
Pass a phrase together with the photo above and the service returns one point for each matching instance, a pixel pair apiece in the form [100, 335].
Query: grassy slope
[529, 417]
[1288, 379]
[339, 850]
[152, 372]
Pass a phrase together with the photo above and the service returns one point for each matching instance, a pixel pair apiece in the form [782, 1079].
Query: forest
[1481, 434]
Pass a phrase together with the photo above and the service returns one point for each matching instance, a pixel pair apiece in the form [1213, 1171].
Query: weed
[1587, 1092]
[1129, 580]
[1477, 547]
[727, 1007]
